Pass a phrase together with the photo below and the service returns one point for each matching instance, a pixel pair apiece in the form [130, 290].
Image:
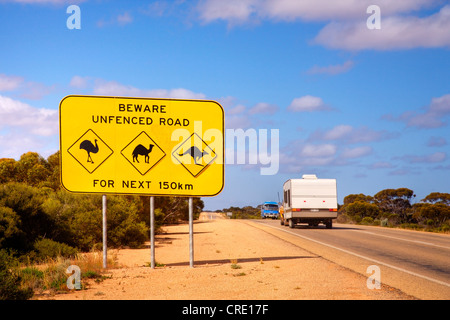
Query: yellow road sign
[141, 146]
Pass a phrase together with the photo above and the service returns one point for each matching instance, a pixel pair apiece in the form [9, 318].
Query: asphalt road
[417, 263]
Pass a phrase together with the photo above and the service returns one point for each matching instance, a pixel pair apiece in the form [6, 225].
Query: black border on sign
[142, 98]
[112, 151]
[154, 143]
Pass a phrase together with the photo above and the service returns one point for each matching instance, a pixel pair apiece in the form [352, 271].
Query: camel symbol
[143, 151]
[90, 148]
[195, 153]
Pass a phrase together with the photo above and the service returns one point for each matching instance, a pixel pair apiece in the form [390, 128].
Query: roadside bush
[30, 220]
[126, 230]
[32, 278]
[10, 279]
[367, 221]
[359, 210]
[9, 221]
[52, 249]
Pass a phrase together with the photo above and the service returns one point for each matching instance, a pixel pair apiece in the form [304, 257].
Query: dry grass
[51, 277]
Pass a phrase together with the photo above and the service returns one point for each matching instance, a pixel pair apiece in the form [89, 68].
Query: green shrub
[32, 278]
[10, 279]
[367, 221]
[47, 248]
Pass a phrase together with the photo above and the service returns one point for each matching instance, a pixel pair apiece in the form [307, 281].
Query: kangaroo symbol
[195, 153]
[143, 151]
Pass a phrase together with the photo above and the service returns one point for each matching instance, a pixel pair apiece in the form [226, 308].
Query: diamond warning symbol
[90, 151]
[143, 153]
[194, 154]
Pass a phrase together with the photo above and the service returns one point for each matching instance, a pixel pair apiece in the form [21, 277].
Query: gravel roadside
[233, 260]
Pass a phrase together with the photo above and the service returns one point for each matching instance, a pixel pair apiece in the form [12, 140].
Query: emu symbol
[143, 151]
[90, 148]
[195, 153]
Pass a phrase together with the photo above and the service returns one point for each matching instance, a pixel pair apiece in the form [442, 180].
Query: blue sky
[370, 108]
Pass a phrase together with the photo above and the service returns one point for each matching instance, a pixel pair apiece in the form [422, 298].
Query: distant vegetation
[392, 207]
[247, 212]
[389, 208]
[40, 220]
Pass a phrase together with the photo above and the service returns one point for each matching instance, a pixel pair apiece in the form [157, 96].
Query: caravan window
[289, 197]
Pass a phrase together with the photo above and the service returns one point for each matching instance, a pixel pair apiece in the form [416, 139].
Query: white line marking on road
[364, 257]
[408, 240]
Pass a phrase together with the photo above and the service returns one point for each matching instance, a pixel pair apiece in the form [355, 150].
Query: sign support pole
[191, 233]
[152, 232]
[104, 231]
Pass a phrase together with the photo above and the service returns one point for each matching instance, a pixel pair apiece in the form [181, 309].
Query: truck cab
[270, 209]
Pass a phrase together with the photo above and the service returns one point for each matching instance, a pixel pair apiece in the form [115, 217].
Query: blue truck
[270, 210]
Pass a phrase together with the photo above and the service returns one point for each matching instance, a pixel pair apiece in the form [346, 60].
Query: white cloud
[302, 155]
[351, 153]
[233, 11]
[54, 2]
[433, 115]
[113, 88]
[38, 121]
[121, 20]
[397, 32]
[79, 82]
[349, 134]
[436, 142]
[24, 89]
[17, 142]
[346, 28]
[307, 104]
[322, 150]
[307, 10]
[381, 165]
[263, 108]
[332, 69]
[10, 83]
[125, 18]
[338, 132]
[429, 158]
[35, 90]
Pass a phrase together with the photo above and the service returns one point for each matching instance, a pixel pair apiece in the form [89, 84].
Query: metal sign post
[152, 232]
[191, 233]
[104, 231]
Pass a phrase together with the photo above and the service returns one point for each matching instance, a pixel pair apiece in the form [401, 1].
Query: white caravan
[309, 200]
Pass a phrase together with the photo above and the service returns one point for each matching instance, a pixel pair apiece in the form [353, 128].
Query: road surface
[417, 263]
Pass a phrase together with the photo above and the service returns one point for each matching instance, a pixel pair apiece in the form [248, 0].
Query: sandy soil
[233, 259]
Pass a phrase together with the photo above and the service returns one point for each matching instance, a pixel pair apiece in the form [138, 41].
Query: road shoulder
[233, 259]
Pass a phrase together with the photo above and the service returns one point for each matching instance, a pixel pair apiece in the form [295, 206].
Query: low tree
[359, 210]
[9, 222]
[437, 197]
[433, 210]
[7, 170]
[357, 197]
[435, 214]
[32, 221]
[395, 201]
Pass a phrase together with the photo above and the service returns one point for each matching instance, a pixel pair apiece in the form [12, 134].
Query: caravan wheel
[291, 223]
